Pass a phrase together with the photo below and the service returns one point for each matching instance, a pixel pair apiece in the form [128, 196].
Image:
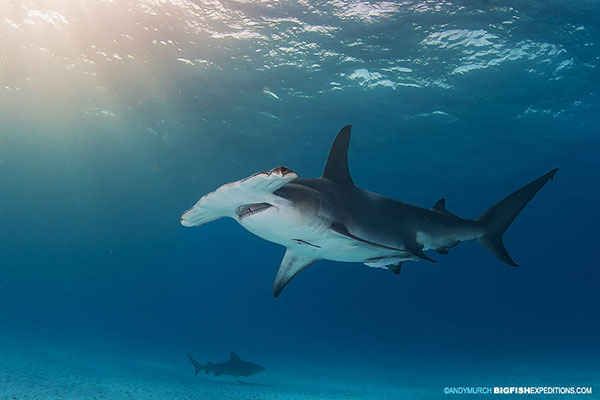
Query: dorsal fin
[233, 357]
[336, 169]
[440, 205]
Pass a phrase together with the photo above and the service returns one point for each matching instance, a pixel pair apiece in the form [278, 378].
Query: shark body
[331, 218]
[235, 366]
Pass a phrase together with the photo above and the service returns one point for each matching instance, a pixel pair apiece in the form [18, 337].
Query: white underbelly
[290, 229]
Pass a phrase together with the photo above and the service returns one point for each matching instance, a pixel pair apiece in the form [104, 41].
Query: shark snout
[185, 222]
[191, 217]
[239, 199]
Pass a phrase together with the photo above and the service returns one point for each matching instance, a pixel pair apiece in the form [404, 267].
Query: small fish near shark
[330, 218]
[235, 366]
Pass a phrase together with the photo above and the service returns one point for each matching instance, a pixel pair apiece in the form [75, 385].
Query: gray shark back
[381, 221]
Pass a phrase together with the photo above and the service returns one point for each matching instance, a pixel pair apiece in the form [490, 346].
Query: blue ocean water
[116, 116]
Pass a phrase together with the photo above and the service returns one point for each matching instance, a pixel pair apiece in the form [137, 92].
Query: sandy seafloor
[67, 376]
[76, 373]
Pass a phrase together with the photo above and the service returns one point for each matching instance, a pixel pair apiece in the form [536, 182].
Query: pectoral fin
[293, 262]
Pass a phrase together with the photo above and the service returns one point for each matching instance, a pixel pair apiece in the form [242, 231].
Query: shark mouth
[251, 209]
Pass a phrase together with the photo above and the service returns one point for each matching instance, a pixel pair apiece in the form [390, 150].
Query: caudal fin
[197, 366]
[499, 217]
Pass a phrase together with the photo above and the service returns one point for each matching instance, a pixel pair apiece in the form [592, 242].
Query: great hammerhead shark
[331, 218]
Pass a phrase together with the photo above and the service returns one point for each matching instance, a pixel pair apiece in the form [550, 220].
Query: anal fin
[444, 250]
[293, 262]
[395, 268]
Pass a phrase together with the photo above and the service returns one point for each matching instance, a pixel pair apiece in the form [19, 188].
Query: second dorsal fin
[336, 169]
[440, 206]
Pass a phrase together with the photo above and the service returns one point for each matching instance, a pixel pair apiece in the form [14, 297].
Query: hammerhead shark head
[235, 366]
[331, 218]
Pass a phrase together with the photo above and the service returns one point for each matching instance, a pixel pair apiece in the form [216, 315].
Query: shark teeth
[251, 209]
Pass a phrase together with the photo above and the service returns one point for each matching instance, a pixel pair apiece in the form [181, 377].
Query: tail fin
[197, 366]
[499, 217]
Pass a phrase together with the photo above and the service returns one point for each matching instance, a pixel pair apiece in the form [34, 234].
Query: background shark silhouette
[331, 218]
[235, 366]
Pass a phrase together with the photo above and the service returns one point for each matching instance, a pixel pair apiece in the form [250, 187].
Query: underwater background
[116, 116]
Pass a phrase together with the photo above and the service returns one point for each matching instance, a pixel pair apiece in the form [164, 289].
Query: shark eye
[283, 170]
